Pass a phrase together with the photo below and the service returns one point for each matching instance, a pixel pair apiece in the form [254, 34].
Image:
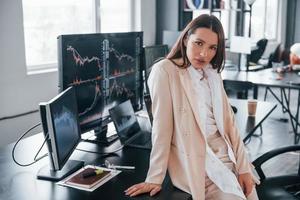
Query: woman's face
[201, 47]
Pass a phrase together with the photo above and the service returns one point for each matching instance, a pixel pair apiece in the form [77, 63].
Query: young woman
[195, 136]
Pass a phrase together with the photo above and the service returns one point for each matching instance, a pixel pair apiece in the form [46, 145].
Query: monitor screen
[59, 118]
[105, 70]
[66, 132]
[124, 119]
[63, 127]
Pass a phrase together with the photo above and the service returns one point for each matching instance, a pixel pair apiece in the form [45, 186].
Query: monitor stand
[102, 137]
[71, 166]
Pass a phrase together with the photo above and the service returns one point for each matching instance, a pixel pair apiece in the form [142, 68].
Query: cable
[35, 157]
[43, 156]
[18, 115]
[102, 153]
[108, 153]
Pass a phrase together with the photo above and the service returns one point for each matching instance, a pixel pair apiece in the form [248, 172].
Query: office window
[115, 16]
[264, 20]
[271, 19]
[43, 21]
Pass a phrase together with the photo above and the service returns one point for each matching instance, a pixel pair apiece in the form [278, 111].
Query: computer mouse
[234, 109]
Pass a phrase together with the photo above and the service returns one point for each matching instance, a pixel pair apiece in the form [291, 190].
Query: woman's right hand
[143, 188]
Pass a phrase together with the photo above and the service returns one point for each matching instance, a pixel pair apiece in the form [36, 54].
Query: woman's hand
[143, 188]
[246, 183]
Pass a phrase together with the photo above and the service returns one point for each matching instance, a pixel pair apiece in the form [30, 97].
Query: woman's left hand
[246, 183]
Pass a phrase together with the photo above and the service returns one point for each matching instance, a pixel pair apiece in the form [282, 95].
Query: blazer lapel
[188, 87]
[217, 99]
[215, 83]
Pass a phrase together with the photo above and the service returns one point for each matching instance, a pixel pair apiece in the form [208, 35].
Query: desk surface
[265, 77]
[20, 182]
[284, 82]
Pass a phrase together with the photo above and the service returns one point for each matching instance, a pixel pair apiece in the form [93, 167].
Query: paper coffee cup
[252, 104]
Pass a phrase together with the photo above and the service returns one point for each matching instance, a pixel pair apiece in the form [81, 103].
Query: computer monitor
[153, 54]
[59, 119]
[105, 69]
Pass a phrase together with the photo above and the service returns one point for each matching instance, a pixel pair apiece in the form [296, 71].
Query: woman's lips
[200, 61]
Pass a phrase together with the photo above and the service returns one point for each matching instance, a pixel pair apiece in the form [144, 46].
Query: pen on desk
[123, 167]
[112, 166]
[92, 173]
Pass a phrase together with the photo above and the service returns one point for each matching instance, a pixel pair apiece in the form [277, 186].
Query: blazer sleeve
[242, 162]
[162, 130]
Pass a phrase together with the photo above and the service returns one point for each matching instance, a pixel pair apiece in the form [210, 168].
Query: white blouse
[215, 169]
[205, 105]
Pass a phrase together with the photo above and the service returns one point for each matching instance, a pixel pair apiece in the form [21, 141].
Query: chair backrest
[148, 104]
[241, 88]
[257, 53]
[280, 54]
[152, 54]
[284, 186]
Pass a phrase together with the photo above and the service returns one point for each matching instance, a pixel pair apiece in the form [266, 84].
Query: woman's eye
[199, 43]
[213, 48]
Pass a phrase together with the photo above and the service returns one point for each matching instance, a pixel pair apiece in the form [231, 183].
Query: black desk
[270, 79]
[246, 124]
[18, 183]
[264, 77]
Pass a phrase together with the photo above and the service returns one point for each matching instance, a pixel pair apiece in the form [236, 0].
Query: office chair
[256, 54]
[152, 54]
[284, 187]
[241, 88]
[148, 105]
[280, 54]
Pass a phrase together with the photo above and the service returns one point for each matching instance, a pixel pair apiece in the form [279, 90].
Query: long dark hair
[203, 21]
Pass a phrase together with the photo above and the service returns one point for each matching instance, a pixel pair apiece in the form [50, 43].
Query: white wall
[281, 32]
[148, 21]
[21, 92]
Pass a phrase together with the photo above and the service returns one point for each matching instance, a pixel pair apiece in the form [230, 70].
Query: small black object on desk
[92, 173]
[234, 109]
